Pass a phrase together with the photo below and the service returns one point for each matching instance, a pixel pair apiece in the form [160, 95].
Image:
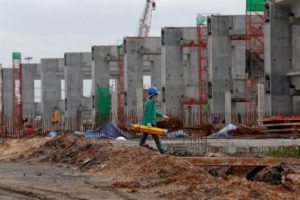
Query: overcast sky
[49, 28]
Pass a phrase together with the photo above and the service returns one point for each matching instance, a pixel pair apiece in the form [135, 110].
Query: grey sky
[49, 28]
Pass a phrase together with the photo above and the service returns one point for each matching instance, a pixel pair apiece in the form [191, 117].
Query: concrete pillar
[296, 101]
[7, 93]
[295, 72]
[278, 59]
[190, 72]
[51, 84]
[29, 74]
[226, 46]
[228, 108]
[173, 88]
[103, 58]
[133, 73]
[261, 102]
[219, 46]
[152, 64]
[74, 63]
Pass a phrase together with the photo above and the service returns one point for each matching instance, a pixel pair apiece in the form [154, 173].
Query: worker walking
[150, 116]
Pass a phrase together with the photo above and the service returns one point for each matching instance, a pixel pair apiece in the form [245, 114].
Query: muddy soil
[93, 169]
[22, 181]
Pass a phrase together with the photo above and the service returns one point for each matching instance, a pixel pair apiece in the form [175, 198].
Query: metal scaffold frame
[120, 85]
[17, 115]
[254, 46]
[201, 46]
[202, 69]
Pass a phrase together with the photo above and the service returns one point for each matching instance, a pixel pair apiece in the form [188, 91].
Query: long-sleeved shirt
[150, 113]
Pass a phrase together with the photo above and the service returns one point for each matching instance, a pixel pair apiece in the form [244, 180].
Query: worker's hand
[149, 125]
[165, 116]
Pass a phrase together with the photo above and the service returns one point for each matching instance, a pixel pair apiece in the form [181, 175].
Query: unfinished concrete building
[7, 93]
[227, 74]
[52, 74]
[77, 69]
[282, 72]
[104, 75]
[141, 58]
[30, 74]
[180, 72]
[282, 79]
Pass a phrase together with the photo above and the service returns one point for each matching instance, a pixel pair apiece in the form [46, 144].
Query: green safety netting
[119, 47]
[255, 5]
[204, 108]
[16, 55]
[103, 105]
[201, 20]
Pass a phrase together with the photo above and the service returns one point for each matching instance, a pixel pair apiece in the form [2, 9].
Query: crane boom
[145, 20]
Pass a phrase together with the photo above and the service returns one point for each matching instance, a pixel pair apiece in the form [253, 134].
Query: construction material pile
[78, 151]
[14, 148]
[171, 124]
[245, 130]
[137, 169]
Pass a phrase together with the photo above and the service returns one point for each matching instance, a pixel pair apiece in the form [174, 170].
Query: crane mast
[145, 20]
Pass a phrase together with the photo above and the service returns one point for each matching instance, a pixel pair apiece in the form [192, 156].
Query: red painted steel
[17, 116]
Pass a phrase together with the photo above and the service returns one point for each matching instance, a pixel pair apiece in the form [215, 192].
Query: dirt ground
[72, 167]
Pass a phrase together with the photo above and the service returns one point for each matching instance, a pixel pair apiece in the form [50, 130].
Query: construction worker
[150, 116]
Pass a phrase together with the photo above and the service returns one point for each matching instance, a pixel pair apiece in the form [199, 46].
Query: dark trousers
[156, 139]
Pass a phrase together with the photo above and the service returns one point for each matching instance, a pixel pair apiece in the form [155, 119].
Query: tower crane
[145, 20]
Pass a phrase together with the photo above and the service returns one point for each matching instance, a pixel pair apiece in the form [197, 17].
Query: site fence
[39, 124]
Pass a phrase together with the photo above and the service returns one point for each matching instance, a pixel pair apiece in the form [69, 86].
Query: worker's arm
[158, 114]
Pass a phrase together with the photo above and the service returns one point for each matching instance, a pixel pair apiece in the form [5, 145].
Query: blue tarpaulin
[108, 131]
[226, 132]
[52, 134]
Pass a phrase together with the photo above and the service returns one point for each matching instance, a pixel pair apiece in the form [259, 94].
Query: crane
[145, 20]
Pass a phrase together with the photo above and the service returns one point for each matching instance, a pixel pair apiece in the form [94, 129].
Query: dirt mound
[15, 148]
[147, 170]
[75, 150]
[140, 169]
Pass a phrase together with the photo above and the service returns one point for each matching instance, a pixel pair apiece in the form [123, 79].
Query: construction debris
[171, 124]
[137, 170]
[281, 124]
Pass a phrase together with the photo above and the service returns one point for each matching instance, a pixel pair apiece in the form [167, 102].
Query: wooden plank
[281, 124]
[279, 120]
[279, 130]
[238, 161]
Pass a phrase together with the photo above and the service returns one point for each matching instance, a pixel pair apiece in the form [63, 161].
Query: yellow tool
[147, 129]
[55, 117]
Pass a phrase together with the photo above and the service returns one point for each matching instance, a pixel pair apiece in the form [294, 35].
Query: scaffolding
[201, 46]
[202, 66]
[120, 86]
[254, 48]
[17, 116]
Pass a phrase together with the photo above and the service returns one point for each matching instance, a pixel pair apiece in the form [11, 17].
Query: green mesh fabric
[255, 5]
